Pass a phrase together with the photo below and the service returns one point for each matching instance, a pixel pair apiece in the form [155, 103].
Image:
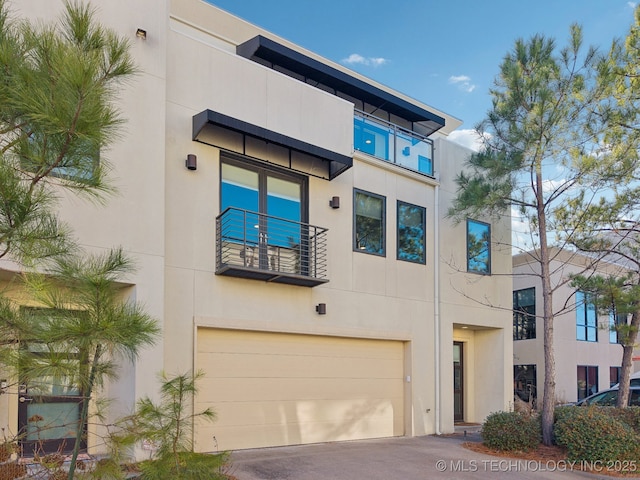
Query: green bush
[629, 416]
[511, 431]
[594, 434]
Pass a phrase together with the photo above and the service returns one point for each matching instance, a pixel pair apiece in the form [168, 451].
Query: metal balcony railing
[392, 143]
[263, 247]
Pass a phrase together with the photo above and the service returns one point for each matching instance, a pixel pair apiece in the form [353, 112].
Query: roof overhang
[300, 64]
[223, 131]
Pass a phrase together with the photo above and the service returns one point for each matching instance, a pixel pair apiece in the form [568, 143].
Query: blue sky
[443, 53]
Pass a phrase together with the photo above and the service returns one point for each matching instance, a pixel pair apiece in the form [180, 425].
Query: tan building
[587, 354]
[288, 217]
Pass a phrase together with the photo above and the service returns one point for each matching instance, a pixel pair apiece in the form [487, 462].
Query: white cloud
[463, 82]
[467, 138]
[356, 58]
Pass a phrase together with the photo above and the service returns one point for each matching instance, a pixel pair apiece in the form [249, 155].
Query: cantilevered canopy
[223, 131]
[268, 50]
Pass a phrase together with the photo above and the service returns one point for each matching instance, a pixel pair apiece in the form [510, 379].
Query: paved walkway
[399, 458]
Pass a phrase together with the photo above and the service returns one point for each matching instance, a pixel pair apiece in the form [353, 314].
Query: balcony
[262, 247]
[392, 143]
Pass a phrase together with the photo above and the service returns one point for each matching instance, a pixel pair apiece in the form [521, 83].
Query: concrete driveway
[400, 458]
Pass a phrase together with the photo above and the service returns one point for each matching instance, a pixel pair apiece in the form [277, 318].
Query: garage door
[272, 389]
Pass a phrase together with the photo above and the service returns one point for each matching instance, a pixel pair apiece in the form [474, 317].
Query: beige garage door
[273, 389]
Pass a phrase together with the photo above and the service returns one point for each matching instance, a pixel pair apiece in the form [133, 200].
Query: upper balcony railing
[392, 143]
[263, 247]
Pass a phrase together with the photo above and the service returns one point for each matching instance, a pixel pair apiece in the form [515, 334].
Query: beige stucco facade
[379, 362]
[569, 352]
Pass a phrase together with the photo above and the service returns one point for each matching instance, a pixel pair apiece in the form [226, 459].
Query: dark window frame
[488, 249]
[357, 246]
[524, 317]
[423, 258]
[525, 381]
[589, 387]
[586, 324]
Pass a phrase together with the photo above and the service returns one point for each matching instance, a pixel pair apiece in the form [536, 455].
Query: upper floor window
[478, 247]
[369, 213]
[524, 314]
[411, 232]
[586, 318]
[614, 321]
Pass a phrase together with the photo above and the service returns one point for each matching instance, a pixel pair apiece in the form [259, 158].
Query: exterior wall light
[140, 33]
[321, 308]
[334, 202]
[191, 162]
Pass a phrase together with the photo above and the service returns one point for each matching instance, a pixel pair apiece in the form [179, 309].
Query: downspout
[436, 302]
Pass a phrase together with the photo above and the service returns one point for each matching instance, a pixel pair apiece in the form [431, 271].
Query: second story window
[369, 212]
[586, 318]
[411, 232]
[524, 314]
[478, 247]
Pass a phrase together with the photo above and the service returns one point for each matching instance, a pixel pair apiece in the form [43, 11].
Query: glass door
[458, 383]
[48, 416]
[266, 208]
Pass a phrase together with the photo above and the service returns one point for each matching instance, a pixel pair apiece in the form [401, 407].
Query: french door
[270, 207]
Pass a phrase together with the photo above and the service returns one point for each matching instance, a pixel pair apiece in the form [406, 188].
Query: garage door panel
[284, 389]
[232, 341]
[259, 365]
[313, 411]
[270, 389]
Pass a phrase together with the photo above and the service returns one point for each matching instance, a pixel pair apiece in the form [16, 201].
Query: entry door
[458, 382]
[273, 205]
[48, 416]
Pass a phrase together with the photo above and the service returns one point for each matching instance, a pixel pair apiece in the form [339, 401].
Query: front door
[48, 416]
[458, 382]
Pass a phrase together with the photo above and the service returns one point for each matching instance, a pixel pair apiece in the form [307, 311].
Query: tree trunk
[549, 396]
[628, 341]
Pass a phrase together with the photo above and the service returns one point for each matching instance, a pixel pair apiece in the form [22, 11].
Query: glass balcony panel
[392, 143]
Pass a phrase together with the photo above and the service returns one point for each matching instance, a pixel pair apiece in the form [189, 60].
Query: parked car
[634, 380]
[610, 397]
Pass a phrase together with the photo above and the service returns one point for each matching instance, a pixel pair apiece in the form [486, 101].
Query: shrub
[512, 431]
[594, 434]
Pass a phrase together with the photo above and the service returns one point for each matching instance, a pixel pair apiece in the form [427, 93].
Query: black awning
[303, 157]
[296, 62]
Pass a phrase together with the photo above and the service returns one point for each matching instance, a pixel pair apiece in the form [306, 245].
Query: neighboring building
[288, 218]
[586, 350]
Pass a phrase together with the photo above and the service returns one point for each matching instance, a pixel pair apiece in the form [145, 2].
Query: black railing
[263, 247]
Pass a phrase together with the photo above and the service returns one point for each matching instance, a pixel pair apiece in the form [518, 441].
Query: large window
[411, 232]
[586, 318]
[524, 314]
[587, 381]
[614, 375]
[478, 247]
[264, 224]
[524, 382]
[614, 321]
[369, 223]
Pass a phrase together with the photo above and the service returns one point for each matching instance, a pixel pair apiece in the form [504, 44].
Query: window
[478, 247]
[263, 223]
[614, 375]
[369, 223]
[587, 381]
[524, 314]
[524, 382]
[586, 318]
[411, 232]
[614, 321]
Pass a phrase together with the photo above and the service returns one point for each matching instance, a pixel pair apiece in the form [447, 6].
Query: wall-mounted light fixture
[334, 202]
[191, 162]
[321, 308]
[140, 33]
[3, 386]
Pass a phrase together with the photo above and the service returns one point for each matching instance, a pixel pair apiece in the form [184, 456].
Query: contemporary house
[587, 354]
[288, 218]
